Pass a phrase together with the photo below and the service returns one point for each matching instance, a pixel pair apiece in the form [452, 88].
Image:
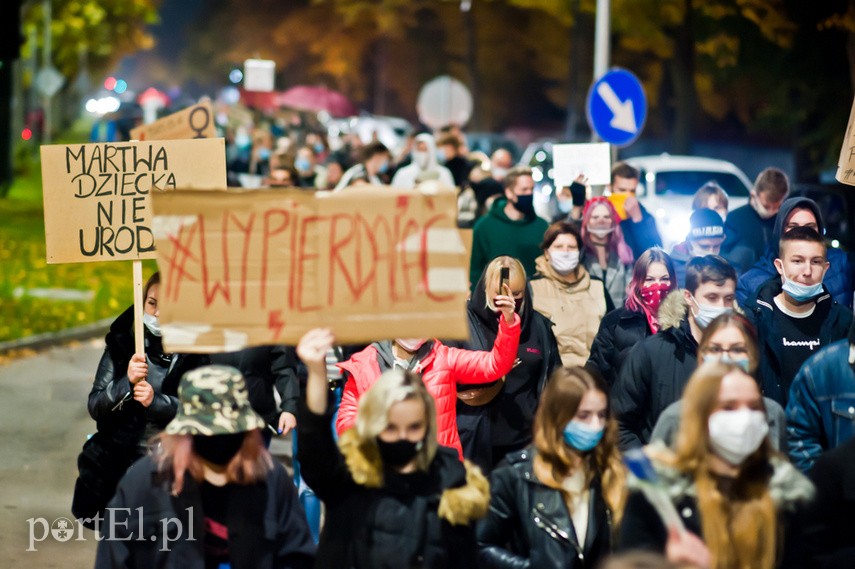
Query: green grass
[23, 266]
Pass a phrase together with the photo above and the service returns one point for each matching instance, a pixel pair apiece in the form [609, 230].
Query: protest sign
[591, 159]
[193, 122]
[846, 163]
[96, 196]
[260, 267]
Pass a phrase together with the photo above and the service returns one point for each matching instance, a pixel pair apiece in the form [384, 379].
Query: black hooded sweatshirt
[512, 411]
[838, 279]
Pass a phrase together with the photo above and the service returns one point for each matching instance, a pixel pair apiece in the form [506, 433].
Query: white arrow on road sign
[624, 114]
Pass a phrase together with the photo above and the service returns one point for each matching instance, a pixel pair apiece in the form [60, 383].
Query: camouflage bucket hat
[213, 400]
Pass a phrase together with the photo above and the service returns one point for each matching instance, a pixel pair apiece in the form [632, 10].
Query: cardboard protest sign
[260, 267]
[591, 159]
[846, 163]
[96, 196]
[193, 122]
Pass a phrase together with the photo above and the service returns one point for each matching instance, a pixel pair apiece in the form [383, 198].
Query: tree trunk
[682, 71]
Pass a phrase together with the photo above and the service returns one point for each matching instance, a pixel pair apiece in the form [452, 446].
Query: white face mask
[707, 313]
[600, 232]
[564, 262]
[736, 435]
[420, 158]
[150, 321]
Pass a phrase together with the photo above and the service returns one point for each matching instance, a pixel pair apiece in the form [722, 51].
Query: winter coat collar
[673, 310]
[465, 495]
[788, 487]
[545, 270]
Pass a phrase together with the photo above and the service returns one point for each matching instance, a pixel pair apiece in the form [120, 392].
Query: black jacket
[641, 236]
[127, 423]
[389, 520]
[746, 237]
[654, 373]
[759, 310]
[265, 368]
[529, 524]
[620, 330]
[511, 413]
[828, 520]
[267, 525]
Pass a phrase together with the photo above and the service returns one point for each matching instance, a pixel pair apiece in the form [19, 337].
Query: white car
[668, 184]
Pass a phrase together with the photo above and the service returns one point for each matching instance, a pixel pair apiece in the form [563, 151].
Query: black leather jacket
[529, 524]
[125, 421]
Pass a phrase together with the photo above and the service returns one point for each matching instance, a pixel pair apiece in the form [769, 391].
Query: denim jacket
[821, 408]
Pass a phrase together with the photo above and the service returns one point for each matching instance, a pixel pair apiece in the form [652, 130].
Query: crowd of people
[730, 360]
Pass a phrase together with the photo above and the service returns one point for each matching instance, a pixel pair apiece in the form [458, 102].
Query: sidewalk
[45, 423]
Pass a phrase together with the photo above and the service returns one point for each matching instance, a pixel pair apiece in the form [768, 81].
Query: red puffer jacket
[442, 369]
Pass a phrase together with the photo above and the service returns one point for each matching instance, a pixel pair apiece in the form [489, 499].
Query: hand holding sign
[687, 549]
[137, 369]
[144, 393]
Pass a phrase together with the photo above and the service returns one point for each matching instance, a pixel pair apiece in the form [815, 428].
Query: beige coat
[574, 308]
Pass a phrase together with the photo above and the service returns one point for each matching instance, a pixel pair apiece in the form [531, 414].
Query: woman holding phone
[496, 418]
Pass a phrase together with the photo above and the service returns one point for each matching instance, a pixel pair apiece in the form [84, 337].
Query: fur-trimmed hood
[465, 495]
[673, 310]
[788, 487]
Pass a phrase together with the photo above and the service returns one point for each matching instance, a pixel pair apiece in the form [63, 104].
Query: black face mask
[399, 453]
[525, 205]
[218, 449]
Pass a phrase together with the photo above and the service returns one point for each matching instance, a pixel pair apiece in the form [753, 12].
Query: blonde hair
[554, 461]
[372, 418]
[740, 530]
[249, 465]
[493, 273]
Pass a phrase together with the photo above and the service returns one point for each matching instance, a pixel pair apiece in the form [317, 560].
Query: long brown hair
[741, 529]
[554, 461]
[249, 465]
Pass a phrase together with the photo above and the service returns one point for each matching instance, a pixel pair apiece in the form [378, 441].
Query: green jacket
[496, 234]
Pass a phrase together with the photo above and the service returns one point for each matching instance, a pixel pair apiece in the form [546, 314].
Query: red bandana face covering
[652, 295]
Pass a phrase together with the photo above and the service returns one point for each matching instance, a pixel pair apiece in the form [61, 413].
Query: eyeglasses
[716, 350]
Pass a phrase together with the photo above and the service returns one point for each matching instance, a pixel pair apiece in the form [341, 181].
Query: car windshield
[686, 183]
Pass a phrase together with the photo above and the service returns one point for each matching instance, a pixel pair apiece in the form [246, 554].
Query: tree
[104, 30]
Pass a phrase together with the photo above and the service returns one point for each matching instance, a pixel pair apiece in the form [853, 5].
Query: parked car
[668, 184]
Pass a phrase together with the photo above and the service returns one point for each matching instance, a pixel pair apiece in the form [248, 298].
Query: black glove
[577, 191]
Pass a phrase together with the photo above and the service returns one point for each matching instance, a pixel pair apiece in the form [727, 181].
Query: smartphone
[504, 279]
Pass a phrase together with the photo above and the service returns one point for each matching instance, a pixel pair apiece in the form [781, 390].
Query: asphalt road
[44, 424]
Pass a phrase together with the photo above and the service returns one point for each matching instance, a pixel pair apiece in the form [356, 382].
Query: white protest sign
[591, 159]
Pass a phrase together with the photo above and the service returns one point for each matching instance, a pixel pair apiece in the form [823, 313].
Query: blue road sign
[617, 107]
